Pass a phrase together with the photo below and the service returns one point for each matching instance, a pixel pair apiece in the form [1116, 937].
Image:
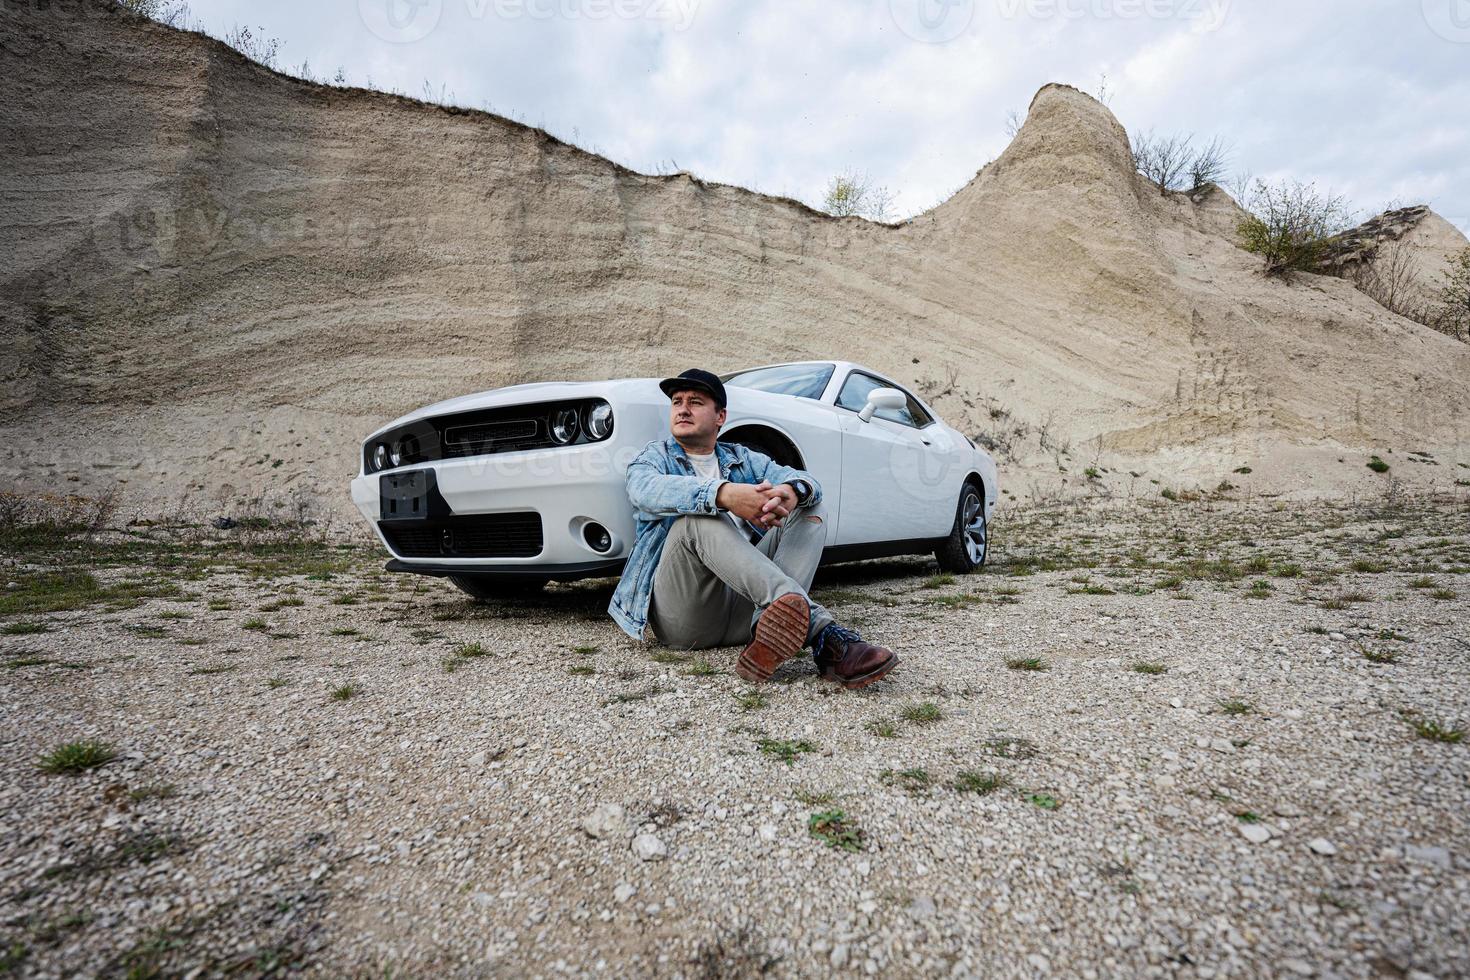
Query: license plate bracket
[410, 496]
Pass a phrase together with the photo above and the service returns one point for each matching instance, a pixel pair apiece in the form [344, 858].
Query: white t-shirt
[708, 467]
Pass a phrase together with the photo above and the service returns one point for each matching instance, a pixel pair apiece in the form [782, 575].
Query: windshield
[798, 380]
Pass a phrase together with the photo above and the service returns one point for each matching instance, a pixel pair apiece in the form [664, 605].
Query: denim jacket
[663, 486]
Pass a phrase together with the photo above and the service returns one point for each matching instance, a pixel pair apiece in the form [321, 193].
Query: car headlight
[597, 420]
[564, 426]
[405, 450]
[380, 456]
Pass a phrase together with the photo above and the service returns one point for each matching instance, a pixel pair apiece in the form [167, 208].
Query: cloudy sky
[1367, 99]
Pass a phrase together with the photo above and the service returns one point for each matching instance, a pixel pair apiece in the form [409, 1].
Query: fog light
[597, 538]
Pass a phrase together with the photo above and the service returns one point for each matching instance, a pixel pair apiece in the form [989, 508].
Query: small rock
[223, 523]
[1437, 856]
[1322, 846]
[1287, 810]
[1300, 967]
[1222, 745]
[768, 832]
[1039, 963]
[1256, 833]
[839, 955]
[623, 892]
[608, 820]
[649, 848]
[922, 907]
[478, 760]
[864, 868]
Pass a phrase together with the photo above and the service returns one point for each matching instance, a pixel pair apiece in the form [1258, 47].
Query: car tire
[968, 543]
[487, 589]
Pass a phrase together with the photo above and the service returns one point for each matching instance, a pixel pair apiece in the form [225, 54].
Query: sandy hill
[219, 278]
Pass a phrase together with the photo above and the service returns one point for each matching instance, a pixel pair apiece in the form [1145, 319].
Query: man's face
[694, 417]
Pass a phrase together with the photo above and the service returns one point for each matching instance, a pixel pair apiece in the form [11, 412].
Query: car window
[799, 380]
[854, 395]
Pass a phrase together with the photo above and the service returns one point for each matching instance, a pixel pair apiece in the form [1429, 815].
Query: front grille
[516, 535]
[477, 433]
[489, 434]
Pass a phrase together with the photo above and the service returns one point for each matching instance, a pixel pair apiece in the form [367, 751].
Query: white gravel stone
[607, 820]
[649, 848]
[1256, 833]
[1323, 846]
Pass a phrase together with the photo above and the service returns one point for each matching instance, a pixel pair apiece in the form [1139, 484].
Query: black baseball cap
[698, 380]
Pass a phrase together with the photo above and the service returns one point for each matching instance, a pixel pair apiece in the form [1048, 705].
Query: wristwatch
[803, 490]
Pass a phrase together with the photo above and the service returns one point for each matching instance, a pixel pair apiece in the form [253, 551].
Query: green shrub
[1289, 226]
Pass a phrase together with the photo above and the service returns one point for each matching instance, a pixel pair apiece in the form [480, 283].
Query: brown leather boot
[843, 656]
[780, 633]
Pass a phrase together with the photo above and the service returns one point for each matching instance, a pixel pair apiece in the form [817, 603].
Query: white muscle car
[514, 487]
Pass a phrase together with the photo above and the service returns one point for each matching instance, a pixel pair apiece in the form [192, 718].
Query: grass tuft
[982, 783]
[787, 750]
[1026, 663]
[24, 628]
[1436, 731]
[922, 713]
[74, 757]
[345, 693]
[910, 780]
[1234, 707]
[882, 727]
[751, 700]
[1148, 667]
[837, 829]
[153, 791]
[809, 797]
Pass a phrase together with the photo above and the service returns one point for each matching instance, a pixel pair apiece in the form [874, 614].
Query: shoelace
[841, 633]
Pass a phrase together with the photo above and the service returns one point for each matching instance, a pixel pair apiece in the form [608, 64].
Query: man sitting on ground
[727, 543]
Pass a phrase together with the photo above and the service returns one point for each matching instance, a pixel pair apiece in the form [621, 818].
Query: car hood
[529, 394]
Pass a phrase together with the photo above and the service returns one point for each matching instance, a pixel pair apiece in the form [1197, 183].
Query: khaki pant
[711, 582]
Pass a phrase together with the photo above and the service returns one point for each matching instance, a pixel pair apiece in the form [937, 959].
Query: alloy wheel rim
[974, 524]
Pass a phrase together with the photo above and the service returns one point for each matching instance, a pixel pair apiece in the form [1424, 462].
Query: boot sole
[873, 676]
[780, 633]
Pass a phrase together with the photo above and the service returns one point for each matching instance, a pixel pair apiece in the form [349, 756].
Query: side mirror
[882, 398]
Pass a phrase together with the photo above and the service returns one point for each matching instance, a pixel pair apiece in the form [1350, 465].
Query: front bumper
[568, 573]
[565, 488]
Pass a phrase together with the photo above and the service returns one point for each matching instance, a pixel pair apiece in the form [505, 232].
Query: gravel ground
[327, 769]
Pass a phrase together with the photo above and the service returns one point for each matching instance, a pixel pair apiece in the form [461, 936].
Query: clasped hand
[759, 503]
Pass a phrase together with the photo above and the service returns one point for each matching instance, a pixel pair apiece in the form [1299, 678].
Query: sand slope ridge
[220, 278]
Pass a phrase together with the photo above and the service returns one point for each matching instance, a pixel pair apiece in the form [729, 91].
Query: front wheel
[965, 548]
[488, 589]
